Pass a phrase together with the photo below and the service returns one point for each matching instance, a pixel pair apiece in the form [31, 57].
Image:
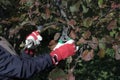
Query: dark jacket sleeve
[14, 66]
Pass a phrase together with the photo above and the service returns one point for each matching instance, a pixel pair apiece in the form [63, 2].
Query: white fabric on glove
[33, 40]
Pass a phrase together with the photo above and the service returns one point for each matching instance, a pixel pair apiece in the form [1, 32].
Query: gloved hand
[33, 40]
[62, 51]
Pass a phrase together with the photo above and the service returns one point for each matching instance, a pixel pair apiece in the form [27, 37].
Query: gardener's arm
[15, 67]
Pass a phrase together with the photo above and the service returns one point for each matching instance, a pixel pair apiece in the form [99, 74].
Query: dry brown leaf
[56, 36]
[52, 44]
[95, 18]
[117, 54]
[72, 34]
[94, 43]
[61, 20]
[57, 74]
[22, 2]
[37, 3]
[95, 40]
[77, 29]
[101, 53]
[108, 39]
[5, 22]
[72, 22]
[114, 5]
[47, 11]
[86, 35]
[112, 25]
[115, 47]
[70, 76]
[81, 41]
[87, 55]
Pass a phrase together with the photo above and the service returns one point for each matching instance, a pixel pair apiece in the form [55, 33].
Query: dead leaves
[52, 44]
[22, 1]
[112, 25]
[115, 5]
[10, 20]
[117, 51]
[72, 22]
[5, 22]
[87, 55]
[70, 75]
[94, 43]
[47, 12]
[87, 22]
[73, 34]
[81, 41]
[59, 74]
[86, 35]
[101, 53]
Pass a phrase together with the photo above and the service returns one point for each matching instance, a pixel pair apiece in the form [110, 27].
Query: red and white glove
[62, 51]
[33, 40]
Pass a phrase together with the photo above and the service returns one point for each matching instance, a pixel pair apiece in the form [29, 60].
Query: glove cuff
[54, 59]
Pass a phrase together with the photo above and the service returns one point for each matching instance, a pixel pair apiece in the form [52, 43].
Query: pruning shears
[64, 36]
[66, 29]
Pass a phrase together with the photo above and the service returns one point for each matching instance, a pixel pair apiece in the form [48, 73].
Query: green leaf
[87, 22]
[88, 1]
[75, 7]
[29, 3]
[110, 52]
[64, 3]
[102, 44]
[85, 9]
[0, 29]
[5, 2]
[100, 3]
[119, 29]
[104, 74]
[43, 15]
[112, 33]
[69, 60]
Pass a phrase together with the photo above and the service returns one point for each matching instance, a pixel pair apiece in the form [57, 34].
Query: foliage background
[94, 22]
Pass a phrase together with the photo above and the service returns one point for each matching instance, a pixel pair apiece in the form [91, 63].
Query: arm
[14, 66]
